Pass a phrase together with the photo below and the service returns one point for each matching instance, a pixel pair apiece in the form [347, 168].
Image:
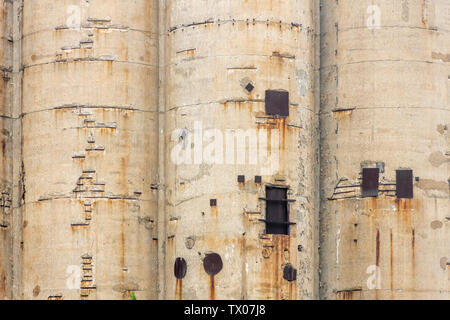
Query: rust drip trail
[212, 293]
[292, 290]
[179, 289]
[392, 263]
[413, 249]
[377, 261]
[378, 249]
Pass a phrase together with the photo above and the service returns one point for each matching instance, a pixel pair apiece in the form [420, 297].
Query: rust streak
[212, 289]
[179, 289]
[378, 249]
[413, 245]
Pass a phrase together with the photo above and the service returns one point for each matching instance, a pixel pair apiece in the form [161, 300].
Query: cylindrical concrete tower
[89, 149]
[240, 150]
[6, 147]
[385, 104]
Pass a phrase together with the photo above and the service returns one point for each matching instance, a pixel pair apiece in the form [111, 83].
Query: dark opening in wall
[370, 182]
[405, 184]
[180, 268]
[289, 273]
[212, 264]
[277, 213]
[277, 103]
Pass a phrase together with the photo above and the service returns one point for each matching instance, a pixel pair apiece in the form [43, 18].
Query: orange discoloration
[122, 244]
[212, 293]
[345, 114]
[272, 283]
[179, 289]
[378, 249]
[345, 295]
[371, 206]
[413, 255]
[214, 211]
[391, 262]
[109, 65]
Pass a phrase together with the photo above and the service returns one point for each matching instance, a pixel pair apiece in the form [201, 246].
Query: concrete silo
[239, 81]
[89, 123]
[385, 73]
[6, 127]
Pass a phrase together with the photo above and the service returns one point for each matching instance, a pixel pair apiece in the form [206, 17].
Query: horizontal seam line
[375, 108]
[87, 60]
[87, 107]
[385, 60]
[86, 29]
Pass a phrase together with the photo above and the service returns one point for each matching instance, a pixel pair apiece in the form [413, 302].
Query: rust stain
[122, 245]
[109, 64]
[342, 114]
[413, 251]
[36, 291]
[371, 206]
[392, 262]
[212, 293]
[214, 211]
[378, 249]
[345, 295]
[272, 283]
[3, 286]
[179, 289]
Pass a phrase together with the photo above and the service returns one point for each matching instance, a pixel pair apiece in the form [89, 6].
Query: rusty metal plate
[404, 184]
[212, 263]
[277, 103]
[289, 273]
[370, 182]
[277, 217]
[180, 268]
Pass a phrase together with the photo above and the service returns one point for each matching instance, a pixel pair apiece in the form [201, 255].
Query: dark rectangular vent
[277, 103]
[405, 184]
[370, 182]
[277, 214]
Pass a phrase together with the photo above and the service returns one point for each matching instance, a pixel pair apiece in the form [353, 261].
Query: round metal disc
[213, 264]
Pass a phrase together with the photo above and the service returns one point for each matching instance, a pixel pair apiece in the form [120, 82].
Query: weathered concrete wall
[116, 141]
[6, 148]
[89, 149]
[385, 98]
[214, 50]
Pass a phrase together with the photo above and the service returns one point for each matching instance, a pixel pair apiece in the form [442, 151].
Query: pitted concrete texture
[392, 87]
[139, 149]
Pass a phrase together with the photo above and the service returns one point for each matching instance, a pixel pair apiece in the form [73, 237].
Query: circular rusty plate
[180, 268]
[213, 264]
[289, 273]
